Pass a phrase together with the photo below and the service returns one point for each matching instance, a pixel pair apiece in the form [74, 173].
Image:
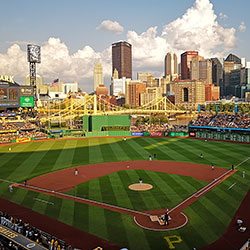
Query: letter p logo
[173, 239]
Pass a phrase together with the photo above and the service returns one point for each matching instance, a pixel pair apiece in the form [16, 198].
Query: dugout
[96, 123]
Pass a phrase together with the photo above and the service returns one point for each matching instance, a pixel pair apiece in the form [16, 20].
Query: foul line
[242, 162]
[83, 199]
[207, 187]
[231, 186]
[7, 181]
[201, 191]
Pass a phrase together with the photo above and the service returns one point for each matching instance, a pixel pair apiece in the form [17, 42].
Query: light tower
[34, 56]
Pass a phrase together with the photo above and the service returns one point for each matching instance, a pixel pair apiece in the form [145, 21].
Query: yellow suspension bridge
[70, 108]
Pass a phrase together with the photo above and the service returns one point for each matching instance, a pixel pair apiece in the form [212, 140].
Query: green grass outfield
[208, 216]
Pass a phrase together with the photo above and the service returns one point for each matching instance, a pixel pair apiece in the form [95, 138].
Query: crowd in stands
[223, 120]
[34, 234]
[19, 130]
[166, 127]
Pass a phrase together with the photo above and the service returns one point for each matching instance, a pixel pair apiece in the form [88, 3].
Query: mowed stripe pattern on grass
[208, 216]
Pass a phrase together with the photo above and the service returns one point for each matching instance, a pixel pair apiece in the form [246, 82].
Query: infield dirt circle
[140, 187]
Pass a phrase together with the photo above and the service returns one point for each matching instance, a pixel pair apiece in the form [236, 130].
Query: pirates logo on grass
[173, 239]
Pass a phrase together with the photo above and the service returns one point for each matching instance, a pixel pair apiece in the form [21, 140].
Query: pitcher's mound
[142, 187]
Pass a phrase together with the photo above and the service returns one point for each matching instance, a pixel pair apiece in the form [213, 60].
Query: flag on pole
[55, 82]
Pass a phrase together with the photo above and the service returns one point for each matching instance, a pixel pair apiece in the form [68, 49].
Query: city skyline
[70, 54]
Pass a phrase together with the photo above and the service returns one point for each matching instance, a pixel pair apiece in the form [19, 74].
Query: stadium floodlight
[34, 53]
[34, 56]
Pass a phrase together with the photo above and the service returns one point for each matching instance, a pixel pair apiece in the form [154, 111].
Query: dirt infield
[55, 183]
[66, 180]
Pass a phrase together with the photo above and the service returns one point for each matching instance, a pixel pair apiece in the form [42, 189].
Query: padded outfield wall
[220, 133]
[96, 123]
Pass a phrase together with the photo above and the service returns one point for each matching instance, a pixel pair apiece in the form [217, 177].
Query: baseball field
[175, 175]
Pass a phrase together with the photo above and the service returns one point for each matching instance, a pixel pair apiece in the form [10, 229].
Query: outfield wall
[107, 133]
[221, 134]
[96, 123]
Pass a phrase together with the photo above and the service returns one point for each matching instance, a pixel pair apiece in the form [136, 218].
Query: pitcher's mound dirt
[142, 187]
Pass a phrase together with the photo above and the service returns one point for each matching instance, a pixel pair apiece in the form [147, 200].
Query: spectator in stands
[223, 120]
[30, 232]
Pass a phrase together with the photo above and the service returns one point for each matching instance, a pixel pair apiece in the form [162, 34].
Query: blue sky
[71, 26]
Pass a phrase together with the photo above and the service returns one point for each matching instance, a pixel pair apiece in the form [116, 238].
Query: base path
[55, 183]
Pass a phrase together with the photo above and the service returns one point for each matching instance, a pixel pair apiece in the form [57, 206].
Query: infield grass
[208, 216]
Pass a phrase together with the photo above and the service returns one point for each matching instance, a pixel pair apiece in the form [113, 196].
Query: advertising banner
[7, 131]
[146, 133]
[7, 114]
[54, 131]
[192, 134]
[137, 134]
[27, 101]
[39, 138]
[178, 134]
[3, 93]
[23, 140]
[155, 134]
[27, 91]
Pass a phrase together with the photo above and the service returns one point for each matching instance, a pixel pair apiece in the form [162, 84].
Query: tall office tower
[232, 75]
[122, 59]
[194, 69]
[189, 93]
[186, 58]
[98, 76]
[245, 81]
[205, 71]
[133, 90]
[143, 76]
[152, 82]
[217, 71]
[170, 64]
[235, 59]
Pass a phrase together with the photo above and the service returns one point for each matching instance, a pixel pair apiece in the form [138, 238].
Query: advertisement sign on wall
[23, 140]
[27, 91]
[192, 134]
[27, 101]
[56, 131]
[177, 134]
[155, 134]
[137, 134]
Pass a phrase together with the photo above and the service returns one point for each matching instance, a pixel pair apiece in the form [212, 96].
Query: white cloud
[111, 26]
[197, 29]
[57, 62]
[242, 26]
[223, 16]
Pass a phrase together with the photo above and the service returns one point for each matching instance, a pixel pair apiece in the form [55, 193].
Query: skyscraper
[205, 71]
[98, 76]
[122, 59]
[170, 64]
[217, 71]
[186, 58]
